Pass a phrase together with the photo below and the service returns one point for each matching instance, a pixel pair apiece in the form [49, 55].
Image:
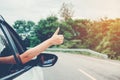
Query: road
[79, 67]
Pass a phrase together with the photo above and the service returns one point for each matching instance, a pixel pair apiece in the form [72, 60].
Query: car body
[12, 44]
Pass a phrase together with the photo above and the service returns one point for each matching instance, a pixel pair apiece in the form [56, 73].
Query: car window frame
[9, 34]
[17, 40]
[11, 42]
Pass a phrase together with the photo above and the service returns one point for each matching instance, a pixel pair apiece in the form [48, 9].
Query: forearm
[7, 60]
[29, 54]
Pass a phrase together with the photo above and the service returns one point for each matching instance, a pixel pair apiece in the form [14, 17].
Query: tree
[66, 11]
[19, 26]
[46, 27]
[114, 37]
[23, 27]
[104, 36]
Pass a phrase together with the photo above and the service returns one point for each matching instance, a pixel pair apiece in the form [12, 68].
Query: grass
[79, 52]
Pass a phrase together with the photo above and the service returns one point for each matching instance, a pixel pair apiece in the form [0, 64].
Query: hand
[57, 39]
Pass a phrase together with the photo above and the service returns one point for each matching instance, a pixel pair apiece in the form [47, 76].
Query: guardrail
[79, 50]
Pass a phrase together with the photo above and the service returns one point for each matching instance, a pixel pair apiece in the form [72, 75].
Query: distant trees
[104, 36]
[111, 42]
[24, 28]
[101, 35]
[66, 11]
[46, 27]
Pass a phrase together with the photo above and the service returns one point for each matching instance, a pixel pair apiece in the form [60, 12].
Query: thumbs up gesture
[57, 39]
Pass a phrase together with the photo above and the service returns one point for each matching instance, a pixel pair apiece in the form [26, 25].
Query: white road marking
[88, 75]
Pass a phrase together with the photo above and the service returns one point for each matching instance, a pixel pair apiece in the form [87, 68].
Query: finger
[57, 31]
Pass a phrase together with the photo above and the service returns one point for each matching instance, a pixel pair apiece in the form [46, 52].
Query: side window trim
[17, 42]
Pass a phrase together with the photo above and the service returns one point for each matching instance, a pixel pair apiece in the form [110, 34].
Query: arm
[29, 54]
[7, 60]
[54, 40]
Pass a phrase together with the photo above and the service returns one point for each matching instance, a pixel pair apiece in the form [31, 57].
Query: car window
[9, 46]
[15, 41]
[5, 50]
[18, 42]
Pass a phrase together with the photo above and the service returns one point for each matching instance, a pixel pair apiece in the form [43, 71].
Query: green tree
[46, 27]
[23, 27]
[34, 39]
[66, 29]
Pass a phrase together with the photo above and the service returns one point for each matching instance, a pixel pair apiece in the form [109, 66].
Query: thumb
[57, 31]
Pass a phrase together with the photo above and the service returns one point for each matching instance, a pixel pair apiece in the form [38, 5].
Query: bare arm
[7, 60]
[29, 54]
[54, 40]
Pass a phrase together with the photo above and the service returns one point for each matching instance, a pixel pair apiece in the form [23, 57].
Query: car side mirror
[46, 60]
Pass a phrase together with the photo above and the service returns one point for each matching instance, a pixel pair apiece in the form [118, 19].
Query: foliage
[46, 27]
[66, 29]
[107, 38]
[102, 35]
[23, 27]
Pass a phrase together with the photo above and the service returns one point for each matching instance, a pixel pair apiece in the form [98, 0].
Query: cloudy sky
[13, 10]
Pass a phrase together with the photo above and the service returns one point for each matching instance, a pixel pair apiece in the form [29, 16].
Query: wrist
[50, 41]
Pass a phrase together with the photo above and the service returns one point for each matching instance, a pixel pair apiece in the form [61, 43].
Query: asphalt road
[79, 67]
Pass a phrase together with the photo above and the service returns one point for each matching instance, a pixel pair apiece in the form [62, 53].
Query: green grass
[79, 52]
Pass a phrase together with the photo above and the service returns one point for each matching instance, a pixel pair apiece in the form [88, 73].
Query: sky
[35, 10]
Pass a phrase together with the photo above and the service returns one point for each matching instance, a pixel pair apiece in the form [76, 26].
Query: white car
[12, 44]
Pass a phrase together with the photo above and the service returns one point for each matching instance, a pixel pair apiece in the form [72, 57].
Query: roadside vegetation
[101, 35]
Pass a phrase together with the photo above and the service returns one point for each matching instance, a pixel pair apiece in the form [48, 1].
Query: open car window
[5, 50]
[10, 45]
[8, 48]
